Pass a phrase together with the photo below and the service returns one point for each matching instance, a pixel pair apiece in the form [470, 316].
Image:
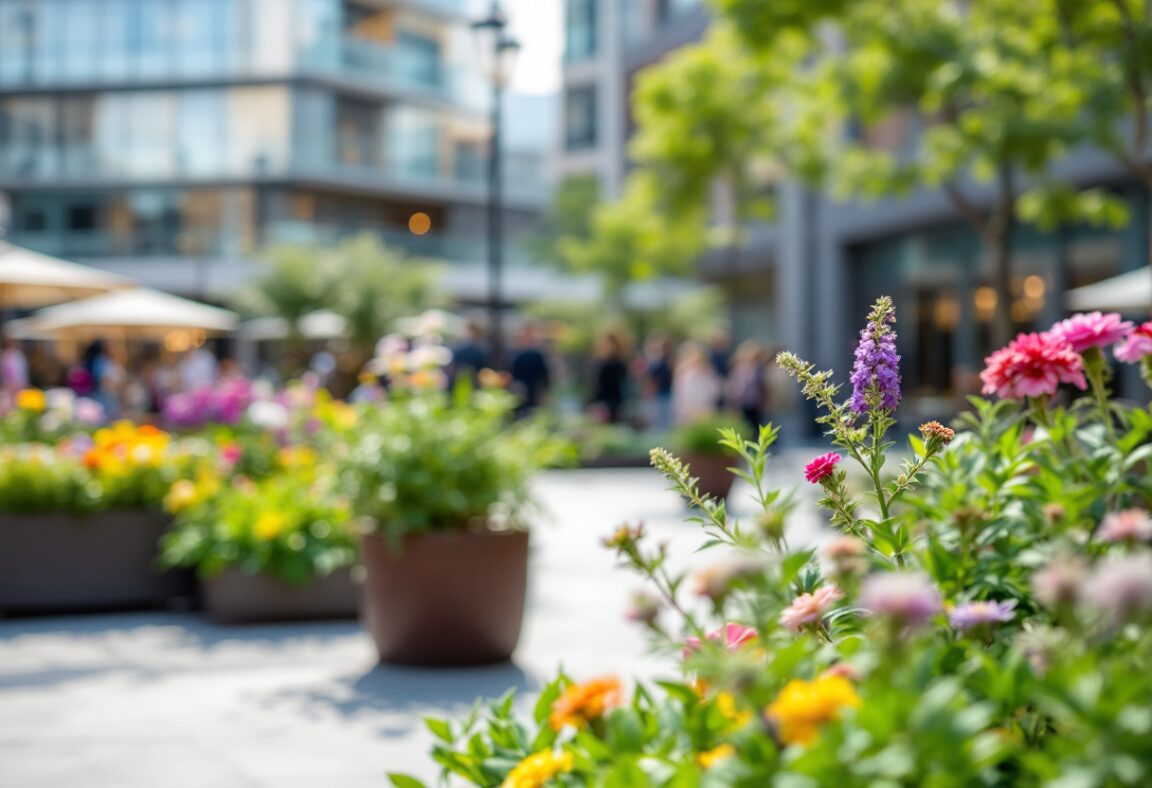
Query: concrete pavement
[158, 700]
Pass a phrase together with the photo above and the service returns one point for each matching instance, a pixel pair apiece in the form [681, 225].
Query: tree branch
[969, 210]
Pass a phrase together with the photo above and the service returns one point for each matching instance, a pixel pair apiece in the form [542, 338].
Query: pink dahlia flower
[1129, 525]
[1133, 348]
[822, 467]
[1092, 329]
[732, 635]
[1031, 366]
[809, 608]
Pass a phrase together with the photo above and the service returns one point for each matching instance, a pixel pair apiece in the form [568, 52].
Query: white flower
[268, 415]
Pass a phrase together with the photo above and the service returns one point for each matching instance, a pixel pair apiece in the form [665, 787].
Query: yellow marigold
[803, 706]
[710, 758]
[730, 711]
[31, 399]
[269, 525]
[582, 703]
[181, 495]
[537, 769]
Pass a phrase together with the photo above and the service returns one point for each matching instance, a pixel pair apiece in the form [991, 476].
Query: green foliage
[699, 437]
[290, 526]
[983, 618]
[569, 216]
[432, 462]
[368, 284]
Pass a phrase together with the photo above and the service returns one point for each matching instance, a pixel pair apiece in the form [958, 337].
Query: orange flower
[582, 703]
[93, 459]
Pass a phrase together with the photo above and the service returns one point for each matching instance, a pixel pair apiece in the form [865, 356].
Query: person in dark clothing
[720, 354]
[610, 383]
[658, 376]
[531, 377]
[469, 355]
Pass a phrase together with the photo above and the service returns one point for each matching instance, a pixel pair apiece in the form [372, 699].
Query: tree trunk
[1000, 240]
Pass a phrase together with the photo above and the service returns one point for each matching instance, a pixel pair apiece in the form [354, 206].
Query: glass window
[419, 58]
[580, 117]
[78, 134]
[579, 29]
[205, 36]
[27, 136]
[17, 23]
[258, 130]
[201, 132]
[413, 142]
[357, 133]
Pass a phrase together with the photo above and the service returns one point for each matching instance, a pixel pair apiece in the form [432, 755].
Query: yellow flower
[803, 706]
[31, 399]
[710, 758]
[537, 769]
[181, 495]
[582, 703]
[297, 457]
[730, 711]
[269, 525]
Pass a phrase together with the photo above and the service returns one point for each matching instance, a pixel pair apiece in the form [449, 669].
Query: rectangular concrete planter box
[235, 597]
[65, 563]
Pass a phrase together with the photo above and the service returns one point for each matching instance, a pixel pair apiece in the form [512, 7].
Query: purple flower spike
[876, 372]
[969, 615]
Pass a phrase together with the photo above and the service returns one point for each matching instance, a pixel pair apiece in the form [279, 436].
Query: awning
[1129, 294]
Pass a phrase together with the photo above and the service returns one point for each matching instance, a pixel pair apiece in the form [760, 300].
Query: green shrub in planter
[290, 526]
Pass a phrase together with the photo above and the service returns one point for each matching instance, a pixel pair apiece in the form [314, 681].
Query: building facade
[805, 281]
[172, 139]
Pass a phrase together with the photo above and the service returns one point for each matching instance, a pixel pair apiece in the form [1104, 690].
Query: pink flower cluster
[732, 635]
[1034, 365]
[808, 609]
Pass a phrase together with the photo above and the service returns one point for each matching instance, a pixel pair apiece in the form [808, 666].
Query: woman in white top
[695, 386]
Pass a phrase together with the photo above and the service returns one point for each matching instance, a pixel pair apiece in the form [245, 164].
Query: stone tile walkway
[165, 699]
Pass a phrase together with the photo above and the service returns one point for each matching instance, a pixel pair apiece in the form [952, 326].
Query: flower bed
[981, 617]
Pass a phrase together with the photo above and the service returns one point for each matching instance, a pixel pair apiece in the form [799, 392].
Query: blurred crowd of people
[661, 385]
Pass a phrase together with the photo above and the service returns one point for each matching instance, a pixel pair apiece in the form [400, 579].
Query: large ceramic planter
[446, 598]
[712, 471]
[62, 563]
[235, 597]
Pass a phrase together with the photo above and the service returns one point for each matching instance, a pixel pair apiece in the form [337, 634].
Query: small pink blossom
[1092, 329]
[1129, 525]
[1031, 366]
[905, 597]
[822, 467]
[808, 609]
[1136, 346]
[732, 635]
[1121, 588]
[1060, 582]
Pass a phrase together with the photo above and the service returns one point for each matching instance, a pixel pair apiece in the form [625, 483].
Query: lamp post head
[497, 49]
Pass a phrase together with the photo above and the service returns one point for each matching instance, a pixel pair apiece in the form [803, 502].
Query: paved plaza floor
[161, 700]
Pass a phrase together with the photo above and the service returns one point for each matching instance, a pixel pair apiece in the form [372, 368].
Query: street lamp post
[497, 51]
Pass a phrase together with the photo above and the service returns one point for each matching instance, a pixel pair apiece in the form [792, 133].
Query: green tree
[294, 281]
[988, 85]
[568, 217]
[631, 241]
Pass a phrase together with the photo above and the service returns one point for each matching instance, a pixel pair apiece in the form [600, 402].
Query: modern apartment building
[806, 279]
[170, 139]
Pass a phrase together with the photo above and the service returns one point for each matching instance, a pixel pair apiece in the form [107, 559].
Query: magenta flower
[1092, 329]
[732, 635]
[808, 609]
[822, 467]
[1031, 366]
[1136, 346]
[905, 597]
[1129, 525]
[968, 615]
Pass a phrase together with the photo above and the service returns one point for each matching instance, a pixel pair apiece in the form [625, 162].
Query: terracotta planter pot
[712, 471]
[235, 597]
[60, 563]
[446, 598]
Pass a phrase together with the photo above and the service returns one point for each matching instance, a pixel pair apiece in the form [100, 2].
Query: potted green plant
[708, 460]
[79, 521]
[281, 548]
[440, 483]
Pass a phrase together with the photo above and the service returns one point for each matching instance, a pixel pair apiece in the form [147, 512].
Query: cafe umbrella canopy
[132, 314]
[30, 279]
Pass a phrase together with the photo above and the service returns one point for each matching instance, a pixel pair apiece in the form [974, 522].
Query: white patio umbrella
[135, 314]
[1129, 293]
[29, 279]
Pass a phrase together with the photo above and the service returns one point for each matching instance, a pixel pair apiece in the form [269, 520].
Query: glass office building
[136, 128]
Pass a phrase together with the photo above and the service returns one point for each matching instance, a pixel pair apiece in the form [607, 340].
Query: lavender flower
[876, 372]
[905, 597]
[969, 615]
